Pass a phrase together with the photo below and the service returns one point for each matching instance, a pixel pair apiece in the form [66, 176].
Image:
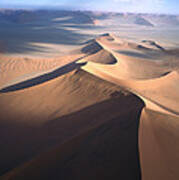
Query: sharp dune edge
[74, 118]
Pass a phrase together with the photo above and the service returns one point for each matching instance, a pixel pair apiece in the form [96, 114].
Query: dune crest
[155, 80]
[83, 111]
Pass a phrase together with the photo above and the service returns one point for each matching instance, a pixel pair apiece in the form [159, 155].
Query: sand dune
[163, 91]
[151, 79]
[77, 105]
[45, 33]
[29, 16]
[145, 20]
[158, 144]
[153, 44]
[17, 69]
[160, 94]
[102, 57]
[100, 152]
[163, 20]
[142, 21]
[31, 114]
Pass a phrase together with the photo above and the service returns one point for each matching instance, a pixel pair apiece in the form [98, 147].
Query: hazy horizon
[130, 6]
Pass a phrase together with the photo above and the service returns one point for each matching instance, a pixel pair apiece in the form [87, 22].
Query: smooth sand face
[158, 87]
[31, 114]
[159, 145]
[97, 138]
[77, 105]
[155, 80]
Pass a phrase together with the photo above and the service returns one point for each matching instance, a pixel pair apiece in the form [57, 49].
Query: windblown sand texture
[108, 110]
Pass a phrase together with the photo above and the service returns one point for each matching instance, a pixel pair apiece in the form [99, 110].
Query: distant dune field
[47, 34]
[78, 105]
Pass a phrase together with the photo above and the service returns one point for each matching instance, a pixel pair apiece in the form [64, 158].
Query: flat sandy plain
[89, 95]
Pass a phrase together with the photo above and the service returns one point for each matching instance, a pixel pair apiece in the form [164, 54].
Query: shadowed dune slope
[155, 80]
[18, 69]
[80, 123]
[153, 77]
[102, 57]
[153, 44]
[139, 61]
[91, 47]
[31, 16]
[34, 81]
[107, 150]
[142, 21]
[161, 91]
[37, 116]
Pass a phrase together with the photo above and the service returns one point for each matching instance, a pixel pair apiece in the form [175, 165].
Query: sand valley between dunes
[109, 109]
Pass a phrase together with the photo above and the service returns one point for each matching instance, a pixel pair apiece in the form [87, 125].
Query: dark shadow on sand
[108, 146]
[43, 28]
[43, 78]
[154, 44]
[134, 54]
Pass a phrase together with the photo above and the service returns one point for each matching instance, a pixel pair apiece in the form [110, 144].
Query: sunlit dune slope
[102, 57]
[17, 69]
[159, 145]
[151, 72]
[155, 80]
[77, 106]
